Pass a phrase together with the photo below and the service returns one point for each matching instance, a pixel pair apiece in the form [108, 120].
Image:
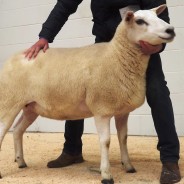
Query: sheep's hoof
[0, 176]
[131, 171]
[106, 181]
[23, 166]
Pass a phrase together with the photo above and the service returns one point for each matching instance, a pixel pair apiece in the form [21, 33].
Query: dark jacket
[106, 16]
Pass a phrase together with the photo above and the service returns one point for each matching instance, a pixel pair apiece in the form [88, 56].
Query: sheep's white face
[144, 25]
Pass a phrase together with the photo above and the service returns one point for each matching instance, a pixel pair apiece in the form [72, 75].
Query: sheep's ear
[158, 10]
[129, 16]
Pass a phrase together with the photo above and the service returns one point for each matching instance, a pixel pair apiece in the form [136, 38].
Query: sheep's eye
[141, 22]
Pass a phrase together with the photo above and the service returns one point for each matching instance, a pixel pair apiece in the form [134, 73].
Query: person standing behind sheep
[106, 17]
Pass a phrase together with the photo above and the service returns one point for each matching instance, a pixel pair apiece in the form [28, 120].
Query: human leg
[158, 98]
[72, 151]
[73, 133]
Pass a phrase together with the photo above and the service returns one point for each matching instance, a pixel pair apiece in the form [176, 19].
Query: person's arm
[57, 18]
[55, 21]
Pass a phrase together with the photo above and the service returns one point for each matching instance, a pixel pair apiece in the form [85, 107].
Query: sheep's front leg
[121, 126]
[27, 118]
[103, 129]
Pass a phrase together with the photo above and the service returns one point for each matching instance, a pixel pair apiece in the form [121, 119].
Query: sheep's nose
[170, 31]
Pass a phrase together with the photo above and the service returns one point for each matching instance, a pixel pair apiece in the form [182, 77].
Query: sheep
[101, 80]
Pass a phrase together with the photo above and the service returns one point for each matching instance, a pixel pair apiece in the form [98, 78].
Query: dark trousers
[73, 134]
[157, 94]
[159, 101]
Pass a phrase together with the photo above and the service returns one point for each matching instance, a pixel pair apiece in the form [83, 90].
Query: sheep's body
[102, 80]
[84, 85]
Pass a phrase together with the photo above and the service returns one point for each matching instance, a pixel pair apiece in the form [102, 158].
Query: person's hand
[33, 51]
[149, 49]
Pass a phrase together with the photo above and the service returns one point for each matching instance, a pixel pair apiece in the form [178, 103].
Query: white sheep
[101, 80]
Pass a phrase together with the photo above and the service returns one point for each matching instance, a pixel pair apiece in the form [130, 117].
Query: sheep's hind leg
[4, 127]
[103, 129]
[26, 119]
[3, 130]
[121, 126]
[6, 122]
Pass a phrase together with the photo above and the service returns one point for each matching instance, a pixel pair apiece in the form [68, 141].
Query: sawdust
[39, 148]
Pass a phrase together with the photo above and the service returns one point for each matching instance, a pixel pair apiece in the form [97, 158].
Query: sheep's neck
[128, 55]
[128, 67]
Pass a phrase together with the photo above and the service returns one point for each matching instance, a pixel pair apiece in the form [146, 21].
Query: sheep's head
[144, 25]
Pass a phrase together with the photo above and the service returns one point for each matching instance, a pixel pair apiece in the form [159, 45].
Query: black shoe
[170, 173]
[65, 160]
